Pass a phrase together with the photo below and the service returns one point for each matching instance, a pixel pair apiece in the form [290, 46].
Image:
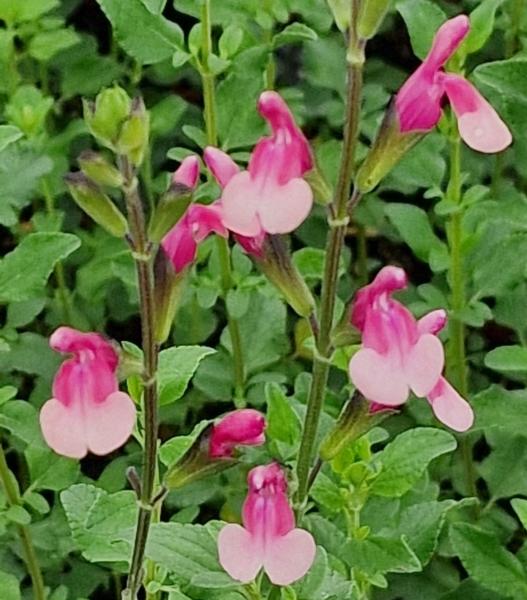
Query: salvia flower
[271, 195]
[400, 354]
[181, 242]
[268, 538]
[418, 103]
[244, 427]
[87, 412]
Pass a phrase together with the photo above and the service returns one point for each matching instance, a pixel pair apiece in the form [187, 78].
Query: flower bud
[133, 138]
[169, 287]
[371, 16]
[322, 192]
[96, 204]
[341, 10]
[275, 263]
[213, 450]
[99, 170]
[389, 147]
[168, 212]
[106, 117]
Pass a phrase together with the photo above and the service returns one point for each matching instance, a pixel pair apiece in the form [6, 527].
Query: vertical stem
[338, 222]
[143, 262]
[30, 557]
[209, 101]
[457, 366]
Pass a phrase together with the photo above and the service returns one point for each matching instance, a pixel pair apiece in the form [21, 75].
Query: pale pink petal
[289, 557]
[108, 425]
[390, 328]
[239, 206]
[424, 364]
[63, 429]
[285, 207]
[433, 322]
[479, 124]
[188, 172]
[377, 378]
[447, 40]
[238, 553]
[451, 408]
[220, 165]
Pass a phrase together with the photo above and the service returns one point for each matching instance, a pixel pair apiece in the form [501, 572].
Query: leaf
[488, 562]
[405, 459]
[481, 25]
[46, 44]
[294, 33]
[414, 227]
[423, 18]
[507, 358]
[21, 419]
[189, 551]
[282, 421]
[149, 38]
[503, 409]
[49, 471]
[25, 271]
[8, 135]
[102, 524]
[156, 7]
[28, 10]
[9, 586]
[520, 508]
[504, 468]
[176, 368]
[377, 554]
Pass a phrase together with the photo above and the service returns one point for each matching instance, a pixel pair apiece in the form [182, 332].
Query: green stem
[60, 276]
[209, 102]
[362, 255]
[142, 254]
[338, 223]
[30, 556]
[457, 364]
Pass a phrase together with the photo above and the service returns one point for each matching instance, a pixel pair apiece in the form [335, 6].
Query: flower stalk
[338, 221]
[30, 557]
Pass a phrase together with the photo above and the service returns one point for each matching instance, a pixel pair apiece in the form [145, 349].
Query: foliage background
[425, 534]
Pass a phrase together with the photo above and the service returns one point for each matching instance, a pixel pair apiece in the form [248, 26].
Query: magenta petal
[108, 425]
[239, 206]
[418, 102]
[63, 428]
[424, 364]
[433, 322]
[241, 427]
[87, 379]
[447, 40]
[188, 172]
[179, 245]
[220, 164]
[87, 345]
[479, 124]
[289, 557]
[238, 553]
[378, 378]
[285, 207]
[451, 408]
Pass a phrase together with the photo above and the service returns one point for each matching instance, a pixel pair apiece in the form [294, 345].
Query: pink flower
[87, 411]
[188, 172]
[400, 354]
[419, 101]
[243, 427]
[268, 538]
[271, 196]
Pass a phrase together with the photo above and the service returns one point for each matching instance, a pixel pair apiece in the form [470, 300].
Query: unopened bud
[168, 212]
[99, 170]
[106, 117]
[169, 287]
[95, 203]
[322, 192]
[389, 147]
[133, 138]
[341, 10]
[371, 16]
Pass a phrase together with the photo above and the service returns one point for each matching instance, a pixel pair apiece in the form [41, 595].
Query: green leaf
[404, 460]
[230, 41]
[25, 271]
[423, 18]
[507, 358]
[520, 508]
[21, 419]
[377, 554]
[156, 7]
[496, 407]
[414, 227]
[102, 524]
[8, 135]
[9, 586]
[504, 468]
[481, 25]
[28, 10]
[149, 38]
[488, 562]
[49, 471]
[46, 44]
[282, 421]
[294, 33]
[176, 368]
[18, 514]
